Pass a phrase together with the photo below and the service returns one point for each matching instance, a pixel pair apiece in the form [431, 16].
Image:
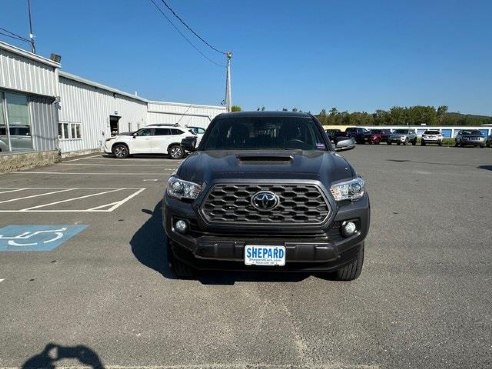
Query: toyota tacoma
[266, 191]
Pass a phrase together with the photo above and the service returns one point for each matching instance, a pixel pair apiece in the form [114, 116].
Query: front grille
[298, 204]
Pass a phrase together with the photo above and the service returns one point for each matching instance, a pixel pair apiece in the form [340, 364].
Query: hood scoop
[259, 158]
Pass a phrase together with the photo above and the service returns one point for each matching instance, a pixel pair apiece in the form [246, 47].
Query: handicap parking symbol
[36, 237]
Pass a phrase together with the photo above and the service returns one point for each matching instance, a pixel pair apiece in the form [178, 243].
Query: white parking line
[95, 174]
[13, 190]
[104, 208]
[113, 165]
[1, 280]
[72, 199]
[32, 196]
[125, 200]
[101, 207]
[75, 188]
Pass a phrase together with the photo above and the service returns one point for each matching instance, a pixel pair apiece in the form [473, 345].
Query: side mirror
[343, 145]
[134, 134]
[189, 143]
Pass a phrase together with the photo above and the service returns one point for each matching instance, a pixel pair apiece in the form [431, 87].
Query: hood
[211, 166]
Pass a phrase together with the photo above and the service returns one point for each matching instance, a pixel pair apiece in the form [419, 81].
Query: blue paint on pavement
[29, 237]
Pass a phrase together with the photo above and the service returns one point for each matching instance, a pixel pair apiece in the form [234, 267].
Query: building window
[15, 126]
[67, 131]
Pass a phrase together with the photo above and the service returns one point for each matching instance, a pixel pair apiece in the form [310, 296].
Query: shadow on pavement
[149, 247]
[53, 353]
[229, 278]
[149, 243]
[486, 167]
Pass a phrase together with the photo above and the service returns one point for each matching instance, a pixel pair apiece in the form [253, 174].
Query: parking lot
[82, 264]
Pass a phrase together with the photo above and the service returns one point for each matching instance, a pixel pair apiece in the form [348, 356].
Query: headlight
[181, 189]
[350, 190]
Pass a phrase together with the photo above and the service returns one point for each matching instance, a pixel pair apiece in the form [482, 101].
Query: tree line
[396, 116]
[402, 116]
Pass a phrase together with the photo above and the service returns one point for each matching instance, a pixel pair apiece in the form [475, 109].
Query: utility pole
[228, 99]
[31, 35]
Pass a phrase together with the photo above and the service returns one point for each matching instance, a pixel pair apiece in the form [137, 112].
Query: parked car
[363, 135]
[20, 138]
[3, 146]
[384, 133]
[336, 135]
[198, 131]
[431, 136]
[403, 136]
[153, 139]
[470, 137]
[266, 191]
[488, 142]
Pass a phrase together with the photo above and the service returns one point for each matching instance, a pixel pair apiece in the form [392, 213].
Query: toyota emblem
[265, 200]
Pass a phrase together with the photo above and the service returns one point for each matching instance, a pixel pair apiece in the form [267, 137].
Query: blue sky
[358, 55]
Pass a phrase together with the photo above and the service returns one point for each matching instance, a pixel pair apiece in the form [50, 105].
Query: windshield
[431, 132]
[252, 133]
[401, 130]
[473, 133]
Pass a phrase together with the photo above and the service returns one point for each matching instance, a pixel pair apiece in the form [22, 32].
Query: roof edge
[28, 54]
[185, 105]
[101, 86]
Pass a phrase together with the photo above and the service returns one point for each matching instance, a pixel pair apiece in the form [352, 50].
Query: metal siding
[43, 123]
[184, 120]
[186, 109]
[183, 114]
[23, 74]
[91, 106]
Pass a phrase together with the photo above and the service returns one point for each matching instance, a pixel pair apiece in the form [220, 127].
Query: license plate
[264, 255]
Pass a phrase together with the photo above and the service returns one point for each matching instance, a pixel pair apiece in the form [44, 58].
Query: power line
[7, 33]
[189, 28]
[186, 38]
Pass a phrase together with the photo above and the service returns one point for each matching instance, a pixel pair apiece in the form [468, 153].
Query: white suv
[153, 139]
[431, 136]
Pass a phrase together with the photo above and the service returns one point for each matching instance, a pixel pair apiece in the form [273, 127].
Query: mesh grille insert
[298, 204]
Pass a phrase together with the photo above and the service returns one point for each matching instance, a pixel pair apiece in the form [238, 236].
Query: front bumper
[108, 147]
[397, 139]
[321, 248]
[471, 142]
[429, 140]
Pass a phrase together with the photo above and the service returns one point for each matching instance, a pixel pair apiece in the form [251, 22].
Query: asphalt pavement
[102, 296]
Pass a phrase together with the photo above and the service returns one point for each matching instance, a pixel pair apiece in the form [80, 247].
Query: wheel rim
[120, 151]
[176, 152]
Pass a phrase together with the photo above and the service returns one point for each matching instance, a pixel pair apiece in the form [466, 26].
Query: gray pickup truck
[266, 191]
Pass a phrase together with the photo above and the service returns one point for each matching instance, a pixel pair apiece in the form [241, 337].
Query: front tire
[352, 271]
[176, 152]
[120, 151]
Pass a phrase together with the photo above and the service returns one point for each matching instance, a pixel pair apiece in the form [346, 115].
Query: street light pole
[228, 99]
[31, 35]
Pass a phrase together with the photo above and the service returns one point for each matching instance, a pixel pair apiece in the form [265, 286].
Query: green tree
[235, 108]
[381, 117]
[441, 112]
[398, 115]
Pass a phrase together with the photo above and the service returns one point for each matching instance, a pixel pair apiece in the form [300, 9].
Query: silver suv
[403, 136]
[471, 137]
[153, 139]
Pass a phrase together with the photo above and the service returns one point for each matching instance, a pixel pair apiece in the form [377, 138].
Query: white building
[43, 108]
